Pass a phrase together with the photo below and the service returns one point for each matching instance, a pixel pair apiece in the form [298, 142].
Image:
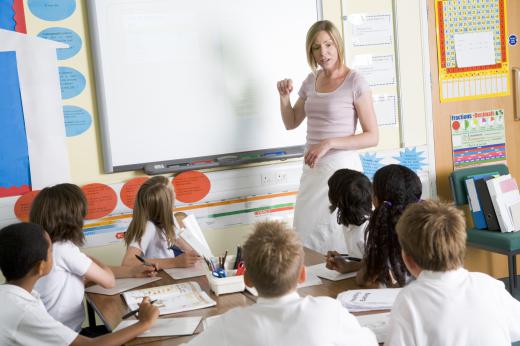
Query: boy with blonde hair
[273, 256]
[447, 305]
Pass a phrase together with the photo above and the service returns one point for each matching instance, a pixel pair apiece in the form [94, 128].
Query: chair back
[458, 184]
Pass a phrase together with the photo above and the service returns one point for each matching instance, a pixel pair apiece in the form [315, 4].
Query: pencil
[133, 312]
[143, 261]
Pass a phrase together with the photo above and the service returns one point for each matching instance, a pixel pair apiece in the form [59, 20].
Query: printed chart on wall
[478, 138]
[369, 42]
[471, 49]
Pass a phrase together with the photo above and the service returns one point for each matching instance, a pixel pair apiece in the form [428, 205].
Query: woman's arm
[100, 273]
[368, 138]
[292, 116]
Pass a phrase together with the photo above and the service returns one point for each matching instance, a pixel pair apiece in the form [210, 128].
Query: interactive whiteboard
[181, 81]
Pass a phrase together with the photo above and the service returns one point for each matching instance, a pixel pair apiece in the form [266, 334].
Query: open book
[171, 298]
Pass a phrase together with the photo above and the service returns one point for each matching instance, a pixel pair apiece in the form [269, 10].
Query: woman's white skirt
[317, 227]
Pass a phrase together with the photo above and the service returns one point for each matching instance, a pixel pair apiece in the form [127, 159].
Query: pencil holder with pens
[225, 280]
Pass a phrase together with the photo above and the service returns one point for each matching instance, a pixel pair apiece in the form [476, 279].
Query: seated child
[350, 192]
[60, 210]
[446, 304]
[26, 256]
[395, 188]
[151, 232]
[273, 256]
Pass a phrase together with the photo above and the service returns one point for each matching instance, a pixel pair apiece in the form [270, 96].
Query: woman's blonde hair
[329, 28]
[154, 203]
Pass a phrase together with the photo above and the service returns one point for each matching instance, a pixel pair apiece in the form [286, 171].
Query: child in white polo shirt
[446, 304]
[26, 256]
[273, 256]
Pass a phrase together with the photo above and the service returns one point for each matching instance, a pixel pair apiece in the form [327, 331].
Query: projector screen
[180, 80]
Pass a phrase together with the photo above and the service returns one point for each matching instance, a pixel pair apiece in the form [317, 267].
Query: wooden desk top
[111, 308]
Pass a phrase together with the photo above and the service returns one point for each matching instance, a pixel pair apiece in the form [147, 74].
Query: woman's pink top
[333, 114]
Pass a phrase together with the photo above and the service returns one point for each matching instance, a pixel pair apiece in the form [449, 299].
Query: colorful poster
[471, 49]
[478, 138]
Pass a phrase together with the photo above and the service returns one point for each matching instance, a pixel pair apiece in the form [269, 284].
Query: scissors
[241, 268]
[219, 273]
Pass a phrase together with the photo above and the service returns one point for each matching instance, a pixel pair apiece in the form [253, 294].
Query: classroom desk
[111, 308]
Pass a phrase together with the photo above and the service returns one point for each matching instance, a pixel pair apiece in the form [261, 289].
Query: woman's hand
[285, 87]
[316, 152]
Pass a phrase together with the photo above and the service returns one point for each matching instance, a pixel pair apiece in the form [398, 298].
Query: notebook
[171, 299]
[377, 323]
[368, 299]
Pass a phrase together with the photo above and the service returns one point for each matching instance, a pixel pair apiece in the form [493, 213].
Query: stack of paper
[193, 235]
[504, 195]
[323, 272]
[369, 299]
[121, 286]
[171, 298]
[378, 323]
[166, 326]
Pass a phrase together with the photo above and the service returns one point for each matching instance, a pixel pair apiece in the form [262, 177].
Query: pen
[349, 258]
[224, 260]
[133, 312]
[143, 261]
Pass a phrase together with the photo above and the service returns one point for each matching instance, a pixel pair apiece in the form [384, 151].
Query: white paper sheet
[378, 323]
[370, 29]
[378, 70]
[323, 272]
[171, 299]
[208, 321]
[368, 299]
[166, 326]
[121, 286]
[42, 106]
[193, 235]
[385, 106]
[474, 49]
[185, 273]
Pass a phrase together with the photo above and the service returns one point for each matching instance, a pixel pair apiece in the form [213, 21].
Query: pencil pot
[225, 280]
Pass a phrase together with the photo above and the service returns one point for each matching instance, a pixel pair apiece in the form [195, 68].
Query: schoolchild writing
[151, 232]
[26, 256]
[395, 187]
[350, 195]
[61, 210]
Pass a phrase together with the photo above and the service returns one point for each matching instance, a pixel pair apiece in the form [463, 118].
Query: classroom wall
[476, 260]
[85, 151]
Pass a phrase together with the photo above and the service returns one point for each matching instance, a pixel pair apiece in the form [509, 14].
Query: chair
[503, 243]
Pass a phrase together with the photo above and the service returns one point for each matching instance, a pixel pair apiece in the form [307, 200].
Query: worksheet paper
[171, 299]
[378, 323]
[185, 273]
[323, 272]
[166, 326]
[121, 286]
[474, 49]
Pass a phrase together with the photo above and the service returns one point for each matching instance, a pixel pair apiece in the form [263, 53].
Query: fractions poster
[471, 49]
[478, 138]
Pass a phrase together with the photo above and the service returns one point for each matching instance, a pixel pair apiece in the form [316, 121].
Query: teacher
[333, 97]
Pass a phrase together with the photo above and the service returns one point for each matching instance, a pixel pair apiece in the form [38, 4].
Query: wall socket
[273, 178]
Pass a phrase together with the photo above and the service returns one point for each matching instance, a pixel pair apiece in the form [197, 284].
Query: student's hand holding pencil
[340, 263]
[148, 313]
[144, 270]
[187, 259]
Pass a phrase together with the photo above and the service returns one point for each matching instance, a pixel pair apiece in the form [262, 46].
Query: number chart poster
[478, 138]
[461, 19]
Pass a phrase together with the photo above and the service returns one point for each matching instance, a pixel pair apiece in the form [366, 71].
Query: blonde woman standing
[334, 98]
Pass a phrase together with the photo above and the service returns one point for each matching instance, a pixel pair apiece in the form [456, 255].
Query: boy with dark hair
[273, 256]
[25, 257]
[446, 304]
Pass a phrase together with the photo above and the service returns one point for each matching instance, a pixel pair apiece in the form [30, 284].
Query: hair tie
[387, 203]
